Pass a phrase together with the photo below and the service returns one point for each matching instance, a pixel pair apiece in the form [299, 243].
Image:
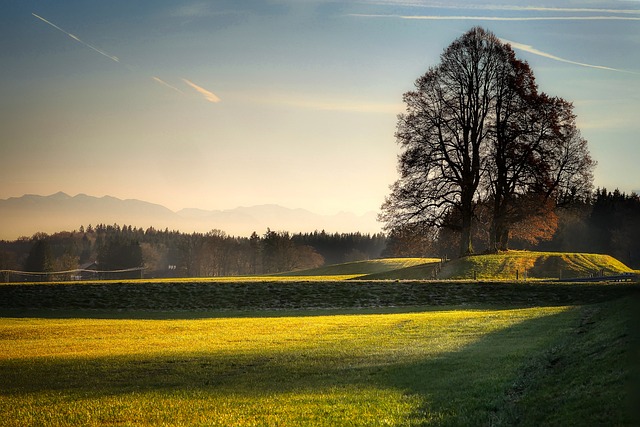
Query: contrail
[163, 83]
[209, 96]
[531, 49]
[101, 52]
[520, 46]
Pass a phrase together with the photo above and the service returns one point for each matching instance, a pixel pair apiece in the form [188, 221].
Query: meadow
[392, 367]
[308, 352]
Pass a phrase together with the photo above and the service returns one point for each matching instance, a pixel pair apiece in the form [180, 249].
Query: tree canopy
[478, 136]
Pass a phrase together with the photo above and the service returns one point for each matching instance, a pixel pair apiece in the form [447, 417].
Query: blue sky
[218, 104]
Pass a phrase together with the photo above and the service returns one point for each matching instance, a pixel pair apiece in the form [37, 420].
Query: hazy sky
[218, 104]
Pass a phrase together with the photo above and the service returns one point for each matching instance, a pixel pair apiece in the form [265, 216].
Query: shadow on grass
[471, 386]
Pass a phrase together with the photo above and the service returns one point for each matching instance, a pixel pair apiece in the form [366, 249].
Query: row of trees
[174, 254]
[481, 143]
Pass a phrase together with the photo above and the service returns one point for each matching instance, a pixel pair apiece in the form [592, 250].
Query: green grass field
[391, 367]
[319, 350]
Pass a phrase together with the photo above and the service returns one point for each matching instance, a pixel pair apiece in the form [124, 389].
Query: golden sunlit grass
[361, 268]
[38, 337]
[388, 368]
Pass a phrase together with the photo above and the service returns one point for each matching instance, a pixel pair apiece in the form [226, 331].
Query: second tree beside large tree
[478, 136]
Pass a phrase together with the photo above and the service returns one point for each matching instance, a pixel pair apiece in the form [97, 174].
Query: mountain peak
[60, 195]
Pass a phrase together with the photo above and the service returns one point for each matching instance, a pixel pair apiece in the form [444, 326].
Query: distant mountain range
[28, 214]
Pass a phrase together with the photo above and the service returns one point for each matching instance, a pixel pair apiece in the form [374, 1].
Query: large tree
[477, 132]
[443, 133]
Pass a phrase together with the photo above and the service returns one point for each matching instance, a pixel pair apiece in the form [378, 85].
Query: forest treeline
[164, 253]
[607, 222]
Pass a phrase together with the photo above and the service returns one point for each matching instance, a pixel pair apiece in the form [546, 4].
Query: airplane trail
[521, 46]
[208, 95]
[76, 38]
[165, 84]
[531, 49]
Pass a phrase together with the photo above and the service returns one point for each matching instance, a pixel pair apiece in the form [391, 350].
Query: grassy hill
[539, 265]
[428, 270]
[503, 266]
[363, 268]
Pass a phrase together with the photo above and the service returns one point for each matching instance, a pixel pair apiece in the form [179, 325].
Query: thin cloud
[512, 8]
[497, 18]
[351, 107]
[192, 10]
[313, 102]
[208, 95]
[76, 38]
[531, 49]
[165, 84]
[563, 9]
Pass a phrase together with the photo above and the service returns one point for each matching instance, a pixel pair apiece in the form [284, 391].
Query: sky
[219, 104]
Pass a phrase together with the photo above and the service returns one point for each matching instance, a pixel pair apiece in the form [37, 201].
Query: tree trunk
[466, 245]
[504, 239]
[499, 232]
